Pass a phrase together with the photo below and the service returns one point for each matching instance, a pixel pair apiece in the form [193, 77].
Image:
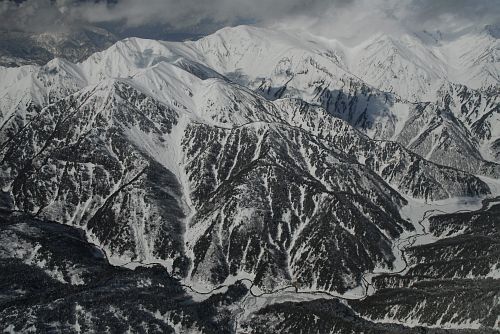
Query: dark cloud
[360, 18]
[29, 16]
[451, 14]
[469, 9]
[344, 18]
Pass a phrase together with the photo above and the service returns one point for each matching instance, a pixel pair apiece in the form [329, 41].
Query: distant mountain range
[19, 48]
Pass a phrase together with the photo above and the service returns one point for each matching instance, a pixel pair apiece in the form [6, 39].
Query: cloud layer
[339, 18]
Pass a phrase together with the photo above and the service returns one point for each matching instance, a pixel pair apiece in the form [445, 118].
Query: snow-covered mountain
[252, 155]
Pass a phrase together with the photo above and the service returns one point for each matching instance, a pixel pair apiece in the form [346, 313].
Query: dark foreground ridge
[54, 280]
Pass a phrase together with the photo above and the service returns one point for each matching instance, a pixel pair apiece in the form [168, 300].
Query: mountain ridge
[218, 162]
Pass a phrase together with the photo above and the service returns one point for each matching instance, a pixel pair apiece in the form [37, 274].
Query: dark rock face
[271, 194]
[450, 131]
[106, 159]
[454, 275]
[53, 280]
[72, 162]
[327, 316]
[400, 167]
[280, 203]
[266, 199]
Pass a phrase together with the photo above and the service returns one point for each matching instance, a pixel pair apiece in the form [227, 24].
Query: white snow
[409, 67]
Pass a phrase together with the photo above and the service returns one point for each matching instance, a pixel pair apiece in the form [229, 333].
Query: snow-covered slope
[475, 58]
[249, 153]
[403, 66]
[375, 85]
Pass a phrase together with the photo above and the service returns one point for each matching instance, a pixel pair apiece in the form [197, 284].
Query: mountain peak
[251, 164]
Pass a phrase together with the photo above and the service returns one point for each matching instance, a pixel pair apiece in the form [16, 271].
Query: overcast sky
[331, 18]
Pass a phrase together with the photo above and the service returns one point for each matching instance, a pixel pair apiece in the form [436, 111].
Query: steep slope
[459, 268]
[406, 171]
[331, 316]
[317, 71]
[456, 131]
[402, 66]
[475, 58]
[250, 161]
[283, 184]
[74, 161]
[54, 280]
[415, 66]
[479, 111]
[310, 69]
[107, 159]
[158, 164]
[387, 73]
